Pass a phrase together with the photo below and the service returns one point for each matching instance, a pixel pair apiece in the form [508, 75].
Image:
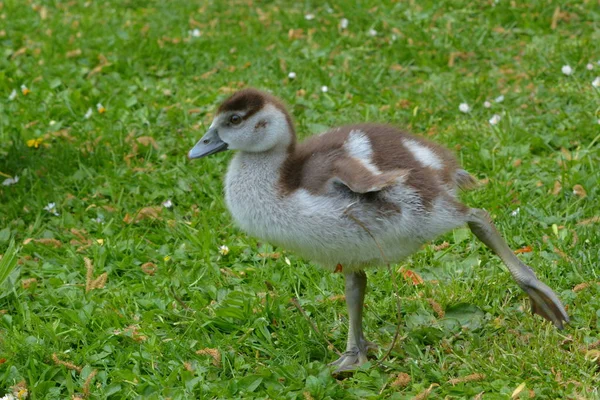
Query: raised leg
[543, 300]
[357, 346]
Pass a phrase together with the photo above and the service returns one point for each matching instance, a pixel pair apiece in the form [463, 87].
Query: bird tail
[464, 180]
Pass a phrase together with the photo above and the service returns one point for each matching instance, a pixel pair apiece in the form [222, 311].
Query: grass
[177, 319]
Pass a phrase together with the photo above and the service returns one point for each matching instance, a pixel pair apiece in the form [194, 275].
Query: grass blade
[8, 261]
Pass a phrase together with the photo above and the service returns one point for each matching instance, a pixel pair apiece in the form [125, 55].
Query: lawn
[131, 280]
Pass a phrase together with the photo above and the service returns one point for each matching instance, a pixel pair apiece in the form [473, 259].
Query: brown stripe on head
[250, 101]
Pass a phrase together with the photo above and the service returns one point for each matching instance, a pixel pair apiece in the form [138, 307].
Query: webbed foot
[545, 303]
[352, 359]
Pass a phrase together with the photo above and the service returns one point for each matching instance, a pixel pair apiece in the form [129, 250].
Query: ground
[123, 288]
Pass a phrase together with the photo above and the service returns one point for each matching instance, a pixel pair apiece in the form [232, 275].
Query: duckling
[358, 196]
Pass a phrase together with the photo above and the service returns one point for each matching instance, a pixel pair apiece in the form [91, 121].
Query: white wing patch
[359, 147]
[423, 154]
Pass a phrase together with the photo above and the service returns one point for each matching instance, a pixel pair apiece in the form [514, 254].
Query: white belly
[329, 230]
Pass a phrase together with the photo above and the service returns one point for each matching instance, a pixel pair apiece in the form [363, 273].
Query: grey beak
[210, 143]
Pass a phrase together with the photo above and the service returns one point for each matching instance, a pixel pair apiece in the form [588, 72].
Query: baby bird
[358, 195]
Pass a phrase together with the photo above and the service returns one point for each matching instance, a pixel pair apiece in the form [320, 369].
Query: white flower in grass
[499, 99]
[590, 66]
[464, 107]
[195, 33]
[10, 181]
[344, 23]
[596, 82]
[309, 17]
[372, 32]
[516, 212]
[223, 250]
[495, 119]
[292, 75]
[167, 204]
[51, 208]
[487, 104]
[324, 89]
[88, 113]
[567, 70]
[12, 95]
[8, 396]
[99, 219]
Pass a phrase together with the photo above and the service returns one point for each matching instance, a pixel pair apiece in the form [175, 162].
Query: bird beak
[210, 143]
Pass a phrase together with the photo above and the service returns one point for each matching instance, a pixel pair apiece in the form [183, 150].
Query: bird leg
[357, 346]
[543, 300]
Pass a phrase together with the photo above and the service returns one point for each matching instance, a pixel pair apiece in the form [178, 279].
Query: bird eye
[235, 119]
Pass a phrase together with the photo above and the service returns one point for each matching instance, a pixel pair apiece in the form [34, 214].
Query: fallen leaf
[555, 18]
[579, 287]
[214, 353]
[295, 34]
[338, 269]
[436, 307]
[67, 364]
[591, 346]
[103, 64]
[88, 382]
[18, 53]
[524, 249]
[593, 355]
[207, 74]
[411, 276]
[468, 378]
[566, 153]
[273, 256]
[518, 390]
[425, 394]
[25, 283]
[49, 242]
[562, 254]
[584, 285]
[151, 213]
[132, 332]
[147, 141]
[579, 191]
[90, 282]
[149, 268]
[337, 297]
[557, 188]
[402, 380]
[442, 246]
[589, 220]
[73, 53]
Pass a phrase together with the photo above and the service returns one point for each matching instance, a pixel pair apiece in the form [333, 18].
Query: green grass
[140, 332]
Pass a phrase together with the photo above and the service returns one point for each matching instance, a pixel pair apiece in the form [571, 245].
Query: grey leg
[357, 346]
[543, 300]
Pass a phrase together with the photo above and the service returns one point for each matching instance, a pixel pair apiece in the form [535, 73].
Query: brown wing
[319, 158]
[353, 174]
